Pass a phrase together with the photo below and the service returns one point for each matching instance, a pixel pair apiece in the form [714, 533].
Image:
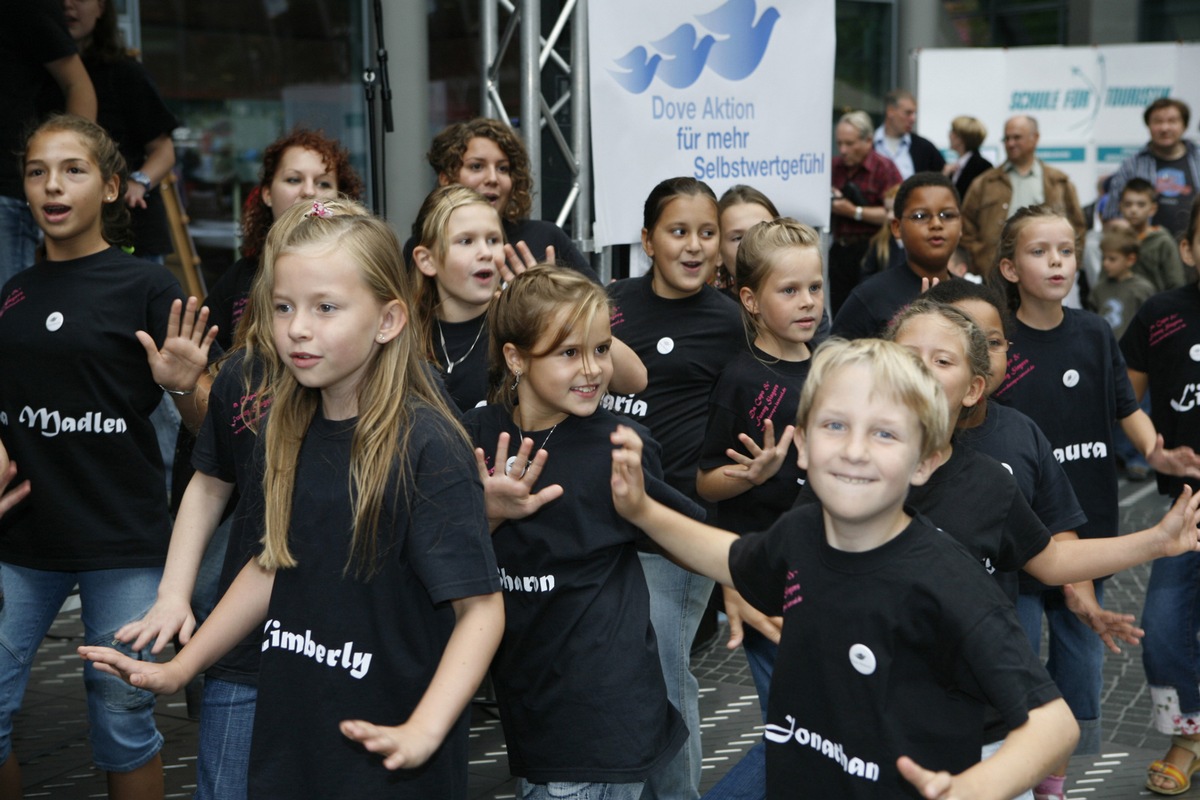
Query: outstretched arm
[1181, 461]
[1087, 559]
[241, 610]
[693, 545]
[199, 515]
[477, 631]
[1027, 755]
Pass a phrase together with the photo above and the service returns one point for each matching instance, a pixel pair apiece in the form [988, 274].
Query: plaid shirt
[874, 176]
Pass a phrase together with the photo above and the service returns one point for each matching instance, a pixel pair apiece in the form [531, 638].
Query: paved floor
[51, 742]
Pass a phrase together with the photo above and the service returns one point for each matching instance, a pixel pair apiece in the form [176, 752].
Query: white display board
[726, 91]
[1088, 101]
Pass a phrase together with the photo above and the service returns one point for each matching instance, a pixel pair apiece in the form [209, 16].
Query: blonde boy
[894, 638]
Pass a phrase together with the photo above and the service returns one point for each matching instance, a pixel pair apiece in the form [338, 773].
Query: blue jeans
[122, 730]
[1075, 660]
[760, 656]
[1170, 651]
[577, 791]
[677, 601]
[226, 722]
[19, 236]
[165, 419]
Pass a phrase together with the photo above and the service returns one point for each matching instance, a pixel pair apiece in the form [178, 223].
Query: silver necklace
[508, 465]
[450, 365]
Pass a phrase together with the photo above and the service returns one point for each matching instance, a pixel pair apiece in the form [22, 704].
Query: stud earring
[382, 338]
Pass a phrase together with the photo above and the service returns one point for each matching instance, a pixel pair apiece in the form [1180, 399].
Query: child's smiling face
[862, 450]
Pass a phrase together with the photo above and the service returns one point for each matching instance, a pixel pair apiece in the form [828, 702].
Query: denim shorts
[122, 730]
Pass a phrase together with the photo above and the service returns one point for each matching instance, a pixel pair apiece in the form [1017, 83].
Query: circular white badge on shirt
[1070, 378]
[54, 321]
[862, 659]
[1195, 352]
[666, 345]
[4, 418]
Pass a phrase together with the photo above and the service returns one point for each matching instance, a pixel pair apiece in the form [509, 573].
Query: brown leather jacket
[985, 209]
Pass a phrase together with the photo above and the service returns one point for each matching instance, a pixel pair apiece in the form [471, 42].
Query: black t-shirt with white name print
[753, 388]
[577, 676]
[1163, 341]
[1013, 439]
[684, 344]
[1071, 381]
[893, 651]
[76, 394]
[226, 450]
[467, 344]
[336, 646]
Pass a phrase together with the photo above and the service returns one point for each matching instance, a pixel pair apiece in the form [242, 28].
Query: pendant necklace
[450, 365]
[508, 465]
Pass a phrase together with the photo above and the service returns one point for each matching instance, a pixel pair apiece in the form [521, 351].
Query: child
[299, 167]
[1160, 348]
[381, 601]
[782, 293]
[459, 258]
[1158, 259]
[1119, 295]
[76, 395]
[1064, 358]
[929, 225]
[740, 208]
[685, 332]
[578, 644]
[873, 599]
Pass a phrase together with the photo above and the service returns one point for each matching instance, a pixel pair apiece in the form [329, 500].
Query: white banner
[1088, 101]
[726, 91]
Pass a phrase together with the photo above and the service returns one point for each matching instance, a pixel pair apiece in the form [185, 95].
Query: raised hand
[508, 486]
[763, 462]
[184, 353]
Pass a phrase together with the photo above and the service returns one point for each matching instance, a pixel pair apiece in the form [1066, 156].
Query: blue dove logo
[732, 46]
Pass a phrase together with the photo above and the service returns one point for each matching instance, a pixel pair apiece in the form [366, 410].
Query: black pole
[379, 149]
[368, 78]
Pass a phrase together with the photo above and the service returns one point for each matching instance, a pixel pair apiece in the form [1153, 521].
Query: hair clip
[319, 210]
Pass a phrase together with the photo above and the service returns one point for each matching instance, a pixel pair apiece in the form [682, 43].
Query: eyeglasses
[998, 345]
[924, 217]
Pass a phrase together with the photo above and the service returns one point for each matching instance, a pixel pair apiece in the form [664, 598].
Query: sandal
[1181, 778]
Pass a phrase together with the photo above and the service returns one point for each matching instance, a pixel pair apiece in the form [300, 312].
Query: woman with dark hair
[487, 155]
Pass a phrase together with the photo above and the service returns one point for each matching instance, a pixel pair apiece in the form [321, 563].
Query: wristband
[858, 213]
[177, 392]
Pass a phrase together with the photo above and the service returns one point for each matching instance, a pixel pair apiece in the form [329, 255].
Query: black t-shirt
[75, 402]
[33, 34]
[577, 676]
[229, 298]
[753, 388]
[684, 344]
[1016, 441]
[467, 344]
[894, 651]
[1176, 188]
[871, 306]
[225, 449]
[1071, 381]
[337, 647]
[1163, 341]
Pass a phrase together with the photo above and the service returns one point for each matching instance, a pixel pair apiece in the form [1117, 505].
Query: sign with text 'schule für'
[725, 91]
